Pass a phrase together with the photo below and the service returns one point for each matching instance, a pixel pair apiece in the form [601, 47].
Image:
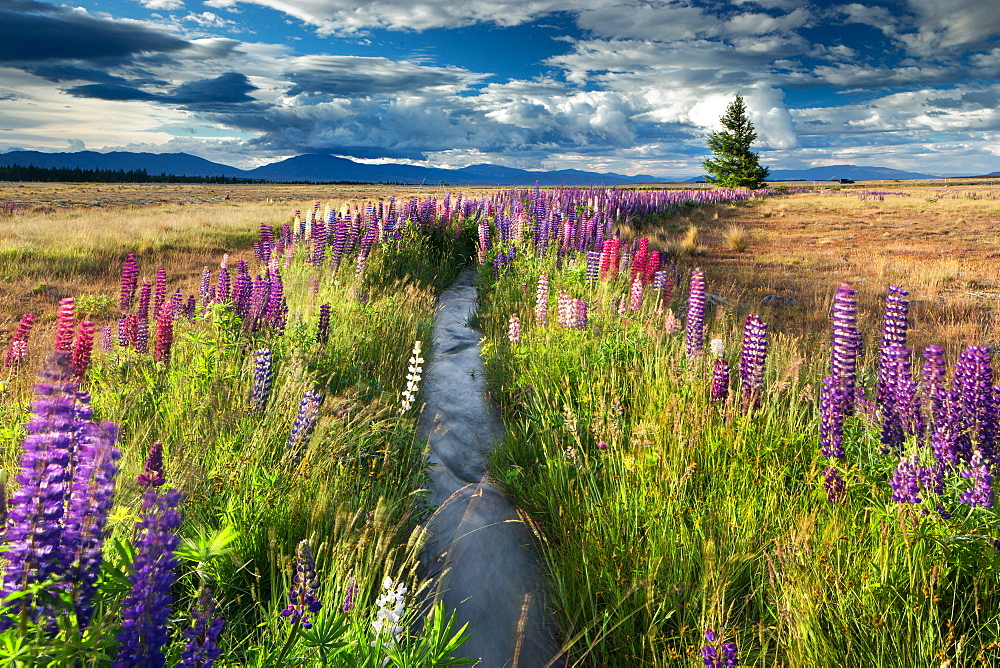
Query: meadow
[731, 440]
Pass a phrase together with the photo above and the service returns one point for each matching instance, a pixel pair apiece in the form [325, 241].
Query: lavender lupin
[752, 359]
[323, 328]
[201, 648]
[846, 343]
[542, 301]
[147, 607]
[263, 375]
[302, 599]
[894, 328]
[695, 324]
[978, 473]
[303, 427]
[720, 380]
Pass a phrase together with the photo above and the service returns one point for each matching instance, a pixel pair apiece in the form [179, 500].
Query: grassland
[659, 513]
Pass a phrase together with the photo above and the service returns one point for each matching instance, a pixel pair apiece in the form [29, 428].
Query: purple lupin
[694, 327]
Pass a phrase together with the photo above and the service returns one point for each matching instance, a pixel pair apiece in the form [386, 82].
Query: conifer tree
[734, 164]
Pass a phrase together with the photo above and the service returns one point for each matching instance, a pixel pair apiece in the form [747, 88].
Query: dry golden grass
[941, 244]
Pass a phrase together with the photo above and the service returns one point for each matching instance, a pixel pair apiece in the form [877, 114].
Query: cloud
[230, 88]
[35, 31]
[162, 5]
[357, 76]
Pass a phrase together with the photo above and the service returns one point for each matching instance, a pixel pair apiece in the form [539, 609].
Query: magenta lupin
[82, 348]
[65, 324]
[164, 334]
[130, 278]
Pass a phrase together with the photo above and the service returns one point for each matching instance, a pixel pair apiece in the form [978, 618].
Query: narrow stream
[479, 551]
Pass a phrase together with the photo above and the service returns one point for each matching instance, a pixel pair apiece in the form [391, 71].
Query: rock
[777, 300]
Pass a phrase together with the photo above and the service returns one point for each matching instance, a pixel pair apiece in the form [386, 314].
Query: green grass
[700, 516]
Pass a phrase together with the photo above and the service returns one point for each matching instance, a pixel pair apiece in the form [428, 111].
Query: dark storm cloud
[111, 91]
[205, 94]
[230, 88]
[35, 31]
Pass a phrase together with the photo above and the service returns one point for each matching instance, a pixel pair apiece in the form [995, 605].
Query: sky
[626, 86]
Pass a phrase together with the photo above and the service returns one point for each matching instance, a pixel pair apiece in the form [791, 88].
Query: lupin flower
[142, 337]
[164, 334]
[82, 348]
[65, 484]
[263, 375]
[152, 471]
[905, 482]
[752, 359]
[581, 314]
[160, 294]
[203, 285]
[323, 328]
[201, 648]
[18, 349]
[846, 343]
[106, 341]
[834, 484]
[142, 311]
[147, 607]
[350, 597]
[130, 278]
[412, 379]
[65, 324]
[542, 301]
[832, 413]
[894, 326]
[305, 423]
[720, 380]
[978, 473]
[593, 267]
[695, 325]
[635, 293]
[302, 599]
[391, 606]
[566, 309]
[710, 654]
[514, 329]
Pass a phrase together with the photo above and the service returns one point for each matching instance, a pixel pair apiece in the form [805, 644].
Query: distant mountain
[321, 167]
[992, 175]
[855, 172]
[175, 164]
[317, 168]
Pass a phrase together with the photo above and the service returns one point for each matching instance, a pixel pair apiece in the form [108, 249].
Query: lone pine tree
[734, 164]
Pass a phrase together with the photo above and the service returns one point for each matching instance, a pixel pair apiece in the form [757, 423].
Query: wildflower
[160, 294]
[350, 597]
[391, 606]
[580, 317]
[142, 310]
[18, 349]
[147, 607]
[302, 599]
[202, 649]
[305, 423]
[542, 301]
[164, 334]
[323, 328]
[716, 347]
[65, 324]
[753, 358]
[514, 329]
[894, 327]
[846, 343]
[565, 307]
[720, 380]
[834, 484]
[905, 482]
[56, 519]
[130, 277]
[832, 410]
[263, 375]
[695, 325]
[106, 338]
[152, 471]
[82, 348]
[593, 267]
[412, 379]
[635, 293]
[978, 473]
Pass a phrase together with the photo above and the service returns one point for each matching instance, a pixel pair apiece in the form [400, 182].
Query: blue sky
[627, 86]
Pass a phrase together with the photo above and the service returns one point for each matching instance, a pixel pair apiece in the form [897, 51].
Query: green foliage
[695, 515]
[734, 164]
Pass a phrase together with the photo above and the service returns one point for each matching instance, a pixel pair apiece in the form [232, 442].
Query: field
[691, 501]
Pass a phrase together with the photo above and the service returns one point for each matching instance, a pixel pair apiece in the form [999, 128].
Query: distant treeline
[78, 175]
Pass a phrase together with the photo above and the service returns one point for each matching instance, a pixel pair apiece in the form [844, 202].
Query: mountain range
[328, 168]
